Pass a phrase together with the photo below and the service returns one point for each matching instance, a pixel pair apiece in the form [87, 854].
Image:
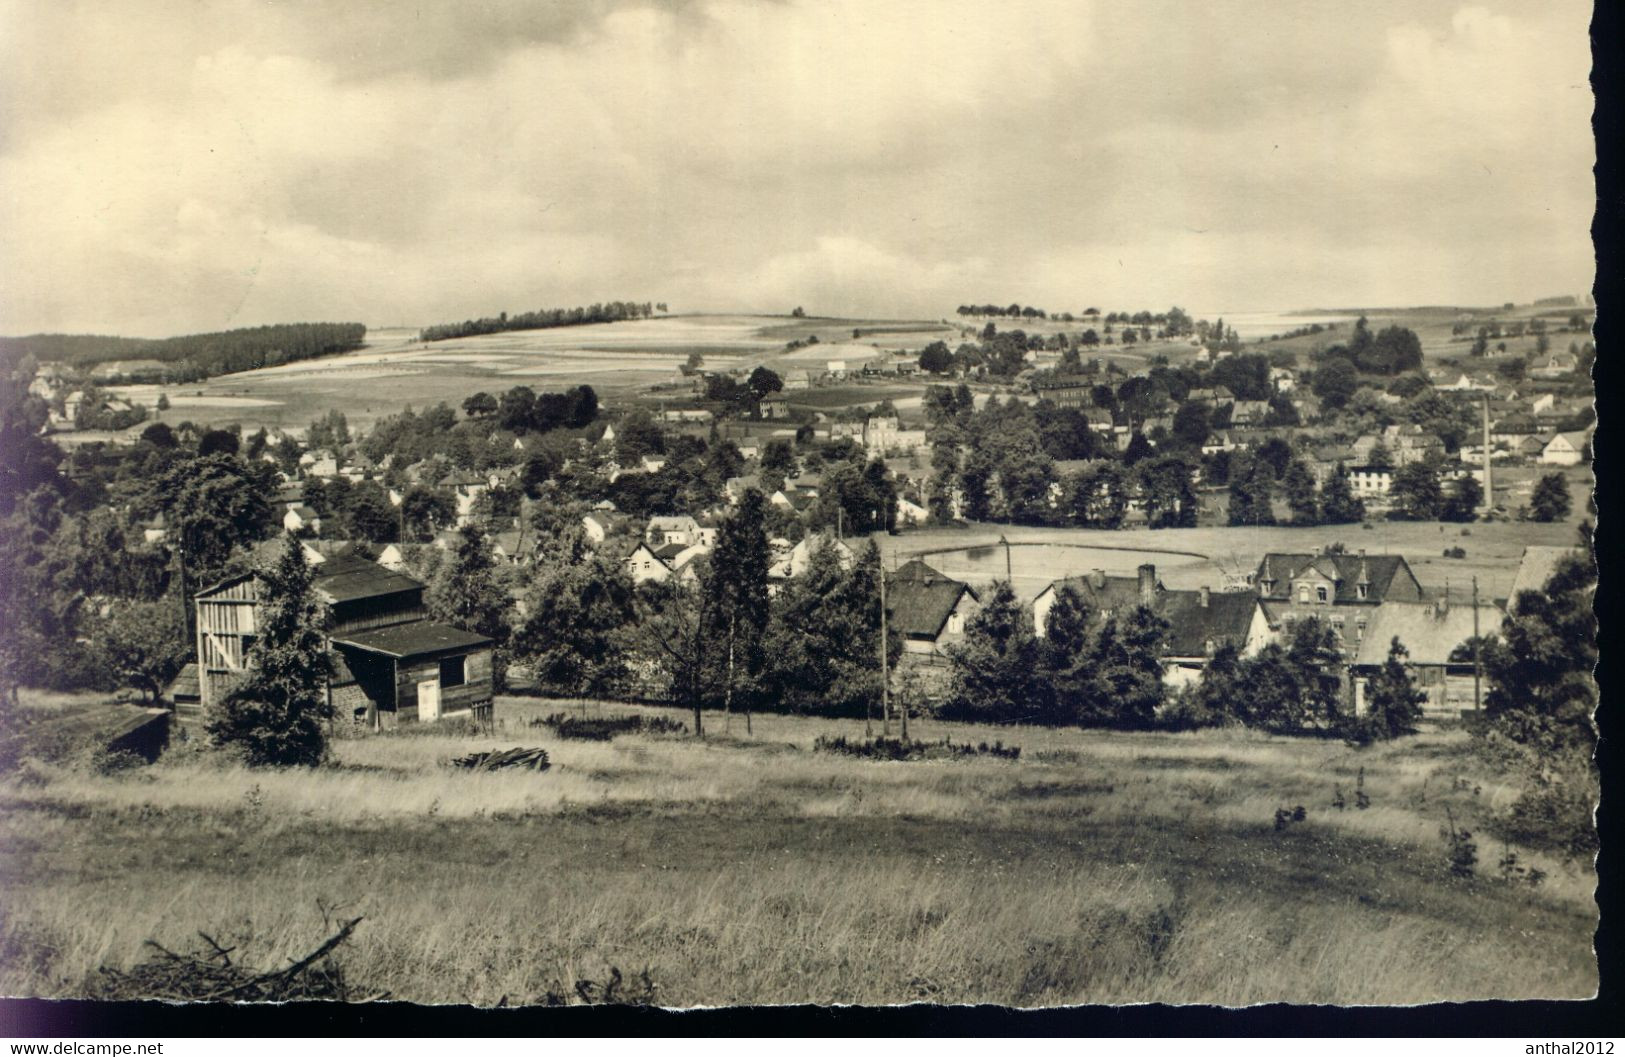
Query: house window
[452, 672]
[1303, 593]
[1320, 594]
[1362, 589]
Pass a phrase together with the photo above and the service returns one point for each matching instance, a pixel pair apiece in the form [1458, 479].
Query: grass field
[751, 869]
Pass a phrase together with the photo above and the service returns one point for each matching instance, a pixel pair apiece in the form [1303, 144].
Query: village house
[597, 527]
[321, 464]
[1067, 393]
[1370, 482]
[911, 514]
[1101, 593]
[668, 529]
[1462, 383]
[926, 608]
[1202, 622]
[796, 561]
[1283, 379]
[1566, 449]
[774, 407]
[1513, 428]
[299, 518]
[1405, 444]
[465, 487]
[1432, 632]
[661, 563]
[882, 435]
[1557, 365]
[1341, 589]
[734, 488]
[1213, 397]
[1528, 447]
[1249, 413]
[390, 664]
[1221, 440]
[513, 546]
[796, 379]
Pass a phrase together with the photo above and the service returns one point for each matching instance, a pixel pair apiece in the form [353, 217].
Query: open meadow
[616, 359]
[750, 868]
[1187, 558]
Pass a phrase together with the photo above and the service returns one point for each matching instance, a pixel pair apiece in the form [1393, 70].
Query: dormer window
[1362, 590]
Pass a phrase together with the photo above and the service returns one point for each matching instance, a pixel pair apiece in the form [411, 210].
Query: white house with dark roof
[1566, 449]
[929, 610]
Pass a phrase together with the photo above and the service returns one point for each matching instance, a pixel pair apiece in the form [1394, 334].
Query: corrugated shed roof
[1428, 631]
[418, 639]
[347, 577]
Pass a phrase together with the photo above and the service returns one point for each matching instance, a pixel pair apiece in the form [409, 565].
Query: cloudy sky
[188, 165]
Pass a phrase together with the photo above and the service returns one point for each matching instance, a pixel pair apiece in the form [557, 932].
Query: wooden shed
[419, 672]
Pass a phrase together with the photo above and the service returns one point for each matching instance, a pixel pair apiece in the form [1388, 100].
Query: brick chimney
[1148, 584]
[1201, 596]
[1098, 579]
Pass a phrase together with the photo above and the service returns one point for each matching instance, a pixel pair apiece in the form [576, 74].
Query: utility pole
[1477, 667]
[885, 687]
[1007, 577]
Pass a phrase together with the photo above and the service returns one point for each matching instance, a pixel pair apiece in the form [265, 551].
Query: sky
[179, 166]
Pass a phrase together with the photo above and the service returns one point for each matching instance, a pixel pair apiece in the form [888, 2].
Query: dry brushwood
[212, 976]
[523, 759]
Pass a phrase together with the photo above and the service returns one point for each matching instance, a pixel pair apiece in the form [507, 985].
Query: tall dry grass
[1097, 868]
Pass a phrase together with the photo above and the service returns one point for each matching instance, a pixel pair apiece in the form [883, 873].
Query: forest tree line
[193, 356]
[543, 319]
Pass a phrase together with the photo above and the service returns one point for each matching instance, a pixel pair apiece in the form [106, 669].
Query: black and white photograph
[698, 504]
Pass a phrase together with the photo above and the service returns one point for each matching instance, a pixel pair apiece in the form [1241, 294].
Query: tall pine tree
[995, 670]
[274, 715]
[1338, 504]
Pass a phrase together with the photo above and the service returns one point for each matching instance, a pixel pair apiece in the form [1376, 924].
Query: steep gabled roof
[1106, 593]
[919, 599]
[1377, 570]
[1226, 617]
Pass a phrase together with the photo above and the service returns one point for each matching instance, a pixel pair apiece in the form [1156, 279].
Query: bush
[604, 728]
[898, 749]
[1555, 814]
[1455, 552]
[1186, 711]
